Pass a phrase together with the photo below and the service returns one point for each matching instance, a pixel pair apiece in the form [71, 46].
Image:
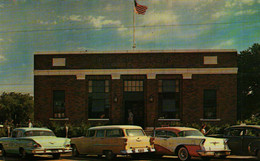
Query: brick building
[158, 86]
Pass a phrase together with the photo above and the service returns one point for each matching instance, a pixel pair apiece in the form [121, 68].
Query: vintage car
[240, 137]
[113, 140]
[254, 149]
[188, 142]
[29, 141]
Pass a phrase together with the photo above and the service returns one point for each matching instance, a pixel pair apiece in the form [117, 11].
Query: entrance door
[137, 108]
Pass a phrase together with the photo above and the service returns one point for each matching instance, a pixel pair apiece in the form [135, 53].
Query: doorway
[137, 108]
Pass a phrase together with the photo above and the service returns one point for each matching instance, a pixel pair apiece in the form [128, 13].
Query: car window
[114, 133]
[14, 134]
[190, 133]
[38, 133]
[134, 132]
[100, 133]
[252, 132]
[171, 134]
[19, 134]
[91, 133]
[235, 132]
[160, 133]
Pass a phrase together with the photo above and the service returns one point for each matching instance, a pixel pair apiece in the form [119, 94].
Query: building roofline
[137, 51]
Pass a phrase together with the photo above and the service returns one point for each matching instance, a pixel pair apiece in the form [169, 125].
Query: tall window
[169, 99]
[98, 98]
[59, 103]
[210, 104]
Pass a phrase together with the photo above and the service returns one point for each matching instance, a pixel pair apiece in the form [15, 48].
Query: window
[134, 132]
[171, 134]
[210, 104]
[98, 98]
[91, 133]
[235, 132]
[59, 103]
[58, 62]
[169, 99]
[100, 133]
[114, 133]
[133, 86]
[160, 133]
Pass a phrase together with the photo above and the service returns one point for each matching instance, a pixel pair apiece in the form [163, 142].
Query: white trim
[98, 119]
[151, 73]
[210, 119]
[136, 51]
[169, 119]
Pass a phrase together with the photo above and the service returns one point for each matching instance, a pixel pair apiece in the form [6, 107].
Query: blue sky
[27, 26]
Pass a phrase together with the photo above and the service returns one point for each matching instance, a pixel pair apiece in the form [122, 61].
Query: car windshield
[134, 132]
[190, 133]
[38, 133]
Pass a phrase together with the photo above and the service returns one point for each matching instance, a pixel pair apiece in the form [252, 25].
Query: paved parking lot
[68, 157]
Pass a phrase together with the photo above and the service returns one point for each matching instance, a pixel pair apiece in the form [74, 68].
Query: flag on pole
[140, 9]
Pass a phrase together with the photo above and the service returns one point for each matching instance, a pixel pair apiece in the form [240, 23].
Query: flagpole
[134, 45]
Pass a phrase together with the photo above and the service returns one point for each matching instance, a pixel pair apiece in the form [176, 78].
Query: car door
[160, 142]
[85, 144]
[250, 136]
[98, 142]
[235, 139]
[171, 141]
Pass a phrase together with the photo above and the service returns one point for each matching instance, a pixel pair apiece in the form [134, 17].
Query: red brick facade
[188, 67]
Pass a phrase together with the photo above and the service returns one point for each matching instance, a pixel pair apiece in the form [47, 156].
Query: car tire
[56, 156]
[22, 153]
[183, 154]
[109, 155]
[75, 151]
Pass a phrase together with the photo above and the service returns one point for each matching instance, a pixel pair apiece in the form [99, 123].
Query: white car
[188, 142]
[30, 141]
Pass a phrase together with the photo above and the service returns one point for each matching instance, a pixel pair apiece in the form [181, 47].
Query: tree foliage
[16, 107]
[249, 81]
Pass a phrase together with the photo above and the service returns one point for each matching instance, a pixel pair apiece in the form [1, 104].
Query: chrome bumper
[51, 151]
[213, 153]
[138, 150]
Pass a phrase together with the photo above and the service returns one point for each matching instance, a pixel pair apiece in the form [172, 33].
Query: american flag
[140, 9]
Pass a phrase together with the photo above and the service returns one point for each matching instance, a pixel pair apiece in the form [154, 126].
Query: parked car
[240, 137]
[254, 149]
[112, 140]
[188, 142]
[30, 141]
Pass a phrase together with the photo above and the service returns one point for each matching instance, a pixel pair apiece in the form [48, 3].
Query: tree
[249, 81]
[16, 106]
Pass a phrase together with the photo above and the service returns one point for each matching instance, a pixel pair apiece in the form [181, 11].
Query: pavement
[68, 157]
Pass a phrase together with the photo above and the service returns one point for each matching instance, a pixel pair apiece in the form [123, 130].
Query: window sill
[59, 119]
[98, 119]
[210, 119]
[169, 119]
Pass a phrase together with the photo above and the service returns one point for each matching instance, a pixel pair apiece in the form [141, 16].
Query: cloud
[2, 58]
[78, 18]
[234, 3]
[100, 21]
[219, 14]
[46, 22]
[225, 44]
[246, 12]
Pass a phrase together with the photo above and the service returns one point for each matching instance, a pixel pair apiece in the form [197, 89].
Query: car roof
[32, 129]
[176, 129]
[243, 126]
[116, 127]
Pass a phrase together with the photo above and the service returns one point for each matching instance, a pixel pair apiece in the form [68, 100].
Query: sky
[28, 26]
